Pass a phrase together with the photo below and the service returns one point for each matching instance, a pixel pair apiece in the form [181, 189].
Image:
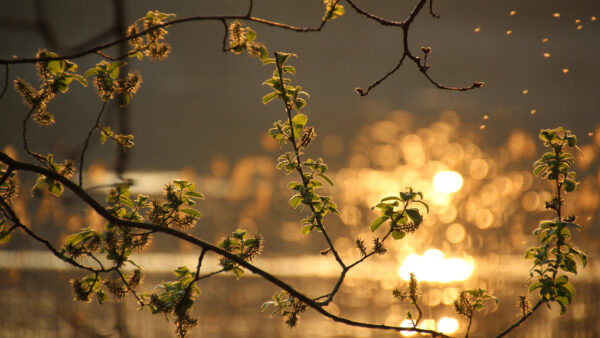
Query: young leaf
[378, 222]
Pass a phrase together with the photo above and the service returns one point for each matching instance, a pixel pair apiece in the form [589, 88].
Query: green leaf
[397, 234]
[295, 201]
[80, 78]
[378, 222]
[194, 194]
[55, 66]
[535, 286]
[307, 229]
[101, 296]
[113, 68]
[269, 97]
[299, 120]
[56, 189]
[569, 185]
[414, 215]
[539, 169]
[192, 212]
[326, 178]
[289, 69]
[4, 236]
[250, 34]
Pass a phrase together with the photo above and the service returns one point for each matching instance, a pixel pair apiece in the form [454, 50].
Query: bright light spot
[579, 27]
[447, 181]
[477, 29]
[427, 324]
[447, 325]
[433, 267]
[546, 55]
[565, 70]
[533, 111]
[407, 323]
[544, 40]
[482, 127]
[525, 91]
[577, 21]
[556, 15]
[513, 12]
[485, 117]
[509, 32]
[594, 18]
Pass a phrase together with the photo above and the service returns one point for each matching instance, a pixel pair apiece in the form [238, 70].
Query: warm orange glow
[433, 267]
[407, 323]
[447, 181]
[447, 325]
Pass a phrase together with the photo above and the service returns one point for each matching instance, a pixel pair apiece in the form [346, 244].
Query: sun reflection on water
[433, 267]
[447, 181]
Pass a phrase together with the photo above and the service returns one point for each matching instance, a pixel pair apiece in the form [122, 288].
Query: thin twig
[225, 36]
[87, 141]
[250, 6]
[35, 155]
[371, 16]
[5, 81]
[435, 15]
[505, 332]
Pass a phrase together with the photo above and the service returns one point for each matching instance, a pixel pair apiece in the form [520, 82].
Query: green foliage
[65, 169]
[151, 43]
[333, 10]
[412, 295]
[175, 299]
[244, 39]
[107, 82]
[556, 254]
[289, 307]
[472, 300]
[402, 219]
[55, 77]
[244, 248]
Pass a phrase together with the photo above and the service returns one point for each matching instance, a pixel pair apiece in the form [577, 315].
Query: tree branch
[11, 215]
[5, 81]
[79, 192]
[87, 140]
[524, 318]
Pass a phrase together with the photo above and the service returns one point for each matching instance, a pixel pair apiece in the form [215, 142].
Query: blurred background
[198, 116]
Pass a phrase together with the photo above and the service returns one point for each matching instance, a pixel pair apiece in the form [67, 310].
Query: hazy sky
[208, 103]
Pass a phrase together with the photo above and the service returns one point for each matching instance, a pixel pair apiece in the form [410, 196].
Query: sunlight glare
[433, 267]
[407, 323]
[447, 325]
[447, 181]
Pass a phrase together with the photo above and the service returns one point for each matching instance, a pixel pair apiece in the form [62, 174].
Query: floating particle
[482, 127]
[544, 40]
[594, 18]
[533, 111]
[477, 29]
[485, 117]
[556, 15]
[565, 70]
[525, 91]
[546, 55]
[513, 12]
[579, 27]
[591, 133]
[577, 21]
[509, 32]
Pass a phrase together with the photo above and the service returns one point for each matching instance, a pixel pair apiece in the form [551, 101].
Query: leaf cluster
[244, 248]
[286, 305]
